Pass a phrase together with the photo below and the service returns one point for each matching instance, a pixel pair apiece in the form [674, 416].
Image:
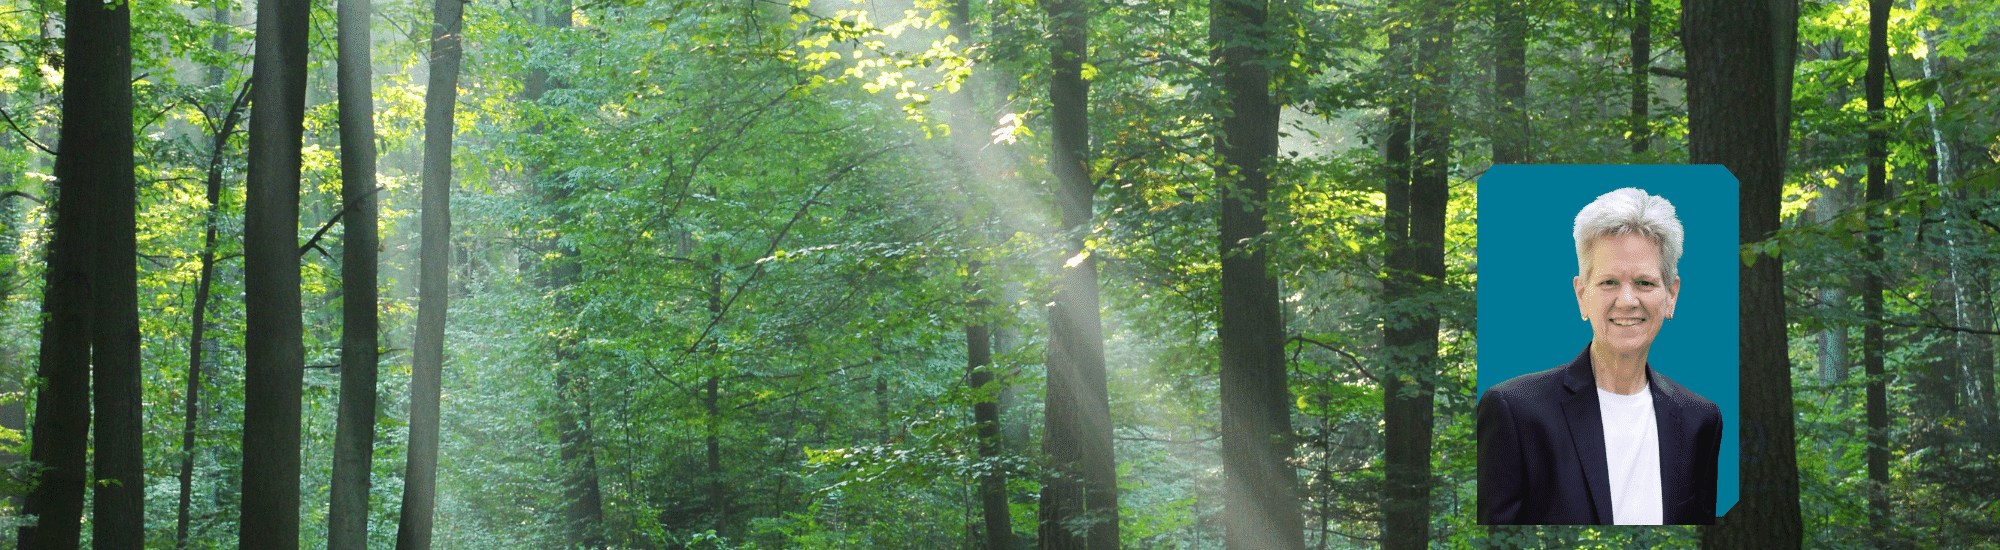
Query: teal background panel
[1528, 319]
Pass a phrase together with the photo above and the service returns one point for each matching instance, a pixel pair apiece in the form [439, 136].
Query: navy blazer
[1541, 450]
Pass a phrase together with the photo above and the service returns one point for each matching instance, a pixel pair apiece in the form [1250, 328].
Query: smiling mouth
[1628, 321]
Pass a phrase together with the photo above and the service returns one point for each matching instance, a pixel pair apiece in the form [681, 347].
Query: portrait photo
[1608, 345]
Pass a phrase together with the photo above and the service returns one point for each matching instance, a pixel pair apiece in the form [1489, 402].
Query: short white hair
[1630, 211]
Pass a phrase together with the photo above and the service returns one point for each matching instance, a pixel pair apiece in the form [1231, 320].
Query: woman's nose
[1625, 298]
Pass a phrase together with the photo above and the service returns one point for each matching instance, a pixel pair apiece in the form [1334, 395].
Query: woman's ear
[1673, 295]
[1576, 283]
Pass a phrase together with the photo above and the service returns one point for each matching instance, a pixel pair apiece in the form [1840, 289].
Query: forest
[942, 274]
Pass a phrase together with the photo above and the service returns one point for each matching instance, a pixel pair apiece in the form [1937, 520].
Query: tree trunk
[354, 430]
[82, 301]
[718, 495]
[1415, 264]
[1261, 507]
[198, 324]
[1872, 346]
[999, 525]
[433, 279]
[1642, 59]
[118, 496]
[274, 351]
[1734, 120]
[1510, 83]
[1079, 505]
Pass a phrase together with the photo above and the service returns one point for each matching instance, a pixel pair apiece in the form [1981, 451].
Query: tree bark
[1079, 505]
[82, 301]
[1260, 488]
[274, 351]
[354, 429]
[1734, 120]
[1642, 60]
[1415, 266]
[118, 496]
[1510, 83]
[998, 524]
[1871, 298]
[433, 279]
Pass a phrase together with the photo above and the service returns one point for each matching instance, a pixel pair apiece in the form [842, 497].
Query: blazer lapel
[1586, 432]
[1675, 485]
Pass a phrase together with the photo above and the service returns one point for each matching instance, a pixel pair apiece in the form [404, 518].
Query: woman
[1605, 439]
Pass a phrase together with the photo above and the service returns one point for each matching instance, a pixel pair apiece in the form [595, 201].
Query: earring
[1586, 317]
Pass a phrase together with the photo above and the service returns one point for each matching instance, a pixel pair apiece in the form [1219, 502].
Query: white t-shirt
[1632, 453]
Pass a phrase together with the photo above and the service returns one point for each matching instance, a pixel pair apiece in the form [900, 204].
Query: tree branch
[24, 135]
[1669, 73]
[22, 194]
[313, 243]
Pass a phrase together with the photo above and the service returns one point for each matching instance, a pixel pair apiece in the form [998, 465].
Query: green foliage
[730, 244]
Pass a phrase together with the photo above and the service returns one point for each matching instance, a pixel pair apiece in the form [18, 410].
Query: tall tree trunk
[1734, 120]
[1415, 266]
[1872, 346]
[92, 178]
[999, 525]
[198, 324]
[118, 496]
[1261, 507]
[997, 521]
[354, 429]
[413, 530]
[1395, 217]
[274, 351]
[1079, 506]
[1510, 82]
[1642, 60]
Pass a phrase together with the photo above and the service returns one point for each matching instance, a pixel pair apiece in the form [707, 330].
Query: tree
[1642, 61]
[1079, 507]
[1415, 223]
[583, 495]
[1872, 344]
[118, 496]
[433, 278]
[981, 375]
[1510, 81]
[354, 437]
[204, 287]
[1262, 508]
[274, 351]
[1733, 120]
[94, 175]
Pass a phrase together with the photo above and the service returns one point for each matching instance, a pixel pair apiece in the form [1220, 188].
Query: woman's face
[1624, 295]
